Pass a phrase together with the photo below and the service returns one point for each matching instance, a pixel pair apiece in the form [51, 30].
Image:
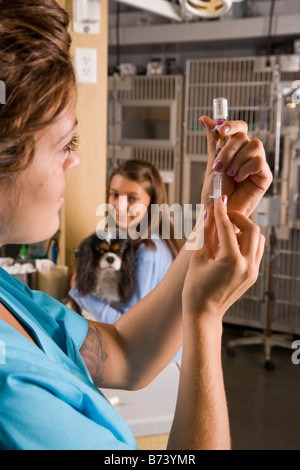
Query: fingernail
[226, 129]
[224, 199]
[202, 123]
[217, 166]
[205, 215]
[230, 171]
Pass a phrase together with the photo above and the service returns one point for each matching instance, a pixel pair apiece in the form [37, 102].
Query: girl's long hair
[149, 178]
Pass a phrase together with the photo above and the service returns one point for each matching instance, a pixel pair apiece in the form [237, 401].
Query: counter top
[149, 411]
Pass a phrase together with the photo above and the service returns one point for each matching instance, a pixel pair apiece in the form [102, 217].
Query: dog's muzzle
[110, 261]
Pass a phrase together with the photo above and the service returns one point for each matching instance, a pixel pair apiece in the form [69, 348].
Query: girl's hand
[216, 279]
[246, 174]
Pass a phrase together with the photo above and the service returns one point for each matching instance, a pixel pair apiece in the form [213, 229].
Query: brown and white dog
[106, 267]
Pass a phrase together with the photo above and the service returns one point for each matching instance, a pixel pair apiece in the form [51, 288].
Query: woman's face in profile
[30, 204]
[129, 199]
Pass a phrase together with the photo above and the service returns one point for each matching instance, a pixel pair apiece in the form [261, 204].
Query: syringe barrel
[217, 191]
[220, 109]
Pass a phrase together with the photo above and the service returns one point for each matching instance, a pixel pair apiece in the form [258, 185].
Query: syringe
[220, 114]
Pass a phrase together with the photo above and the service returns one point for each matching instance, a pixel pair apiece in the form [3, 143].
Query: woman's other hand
[217, 277]
[246, 174]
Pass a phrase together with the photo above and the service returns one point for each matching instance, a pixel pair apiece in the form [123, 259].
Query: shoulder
[10, 282]
[42, 310]
[160, 253]
[153, 262]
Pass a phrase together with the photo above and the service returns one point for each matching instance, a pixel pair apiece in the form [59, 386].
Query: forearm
[201, 418]
[144, 340]
[151, 331]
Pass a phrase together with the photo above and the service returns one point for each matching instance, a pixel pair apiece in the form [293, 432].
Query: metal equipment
[255, 89]
[145, 122]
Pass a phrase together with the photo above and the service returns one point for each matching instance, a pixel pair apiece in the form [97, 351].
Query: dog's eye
[102, 248]
[116, 248]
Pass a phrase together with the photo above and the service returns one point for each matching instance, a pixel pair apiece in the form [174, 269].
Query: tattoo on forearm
[94, 355]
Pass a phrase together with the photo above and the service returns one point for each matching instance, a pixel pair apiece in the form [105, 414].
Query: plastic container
[30, 279]
[38, 250]
[238, 9]
[55, 282]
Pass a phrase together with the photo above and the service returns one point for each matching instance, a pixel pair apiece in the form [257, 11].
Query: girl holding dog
[137, 185]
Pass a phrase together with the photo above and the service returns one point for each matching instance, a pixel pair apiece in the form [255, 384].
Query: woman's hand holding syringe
[242, 163]
[218, 274]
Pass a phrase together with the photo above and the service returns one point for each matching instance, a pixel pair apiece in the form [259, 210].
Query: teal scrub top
[47, 398]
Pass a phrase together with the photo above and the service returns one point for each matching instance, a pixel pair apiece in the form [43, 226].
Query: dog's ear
[85, 270]
[128, 282]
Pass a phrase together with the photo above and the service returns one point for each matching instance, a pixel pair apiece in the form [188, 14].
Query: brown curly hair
[37, 70]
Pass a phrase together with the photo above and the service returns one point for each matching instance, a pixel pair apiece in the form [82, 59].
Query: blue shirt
[152, 266]
[47, 398]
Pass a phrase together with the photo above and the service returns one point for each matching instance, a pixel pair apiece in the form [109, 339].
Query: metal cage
[249, 85]
[141, 92]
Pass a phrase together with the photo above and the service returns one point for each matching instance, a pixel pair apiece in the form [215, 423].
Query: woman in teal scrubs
[55, 361]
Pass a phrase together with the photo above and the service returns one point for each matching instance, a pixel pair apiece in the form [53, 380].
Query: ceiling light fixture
[207, 8]
[158, 7]
[203, 8]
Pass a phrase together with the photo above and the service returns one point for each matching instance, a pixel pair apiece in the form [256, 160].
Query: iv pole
[266, 338]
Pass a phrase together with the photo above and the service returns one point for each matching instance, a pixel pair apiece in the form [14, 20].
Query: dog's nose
[110, 259]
